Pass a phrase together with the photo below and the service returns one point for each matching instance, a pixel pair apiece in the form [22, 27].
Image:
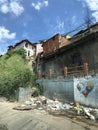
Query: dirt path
[37, 120]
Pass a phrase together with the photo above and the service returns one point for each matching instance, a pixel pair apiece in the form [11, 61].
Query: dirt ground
[40, 120]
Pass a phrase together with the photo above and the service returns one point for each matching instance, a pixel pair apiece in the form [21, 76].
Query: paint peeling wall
[86, 91]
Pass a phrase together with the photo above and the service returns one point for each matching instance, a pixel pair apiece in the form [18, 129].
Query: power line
[80, 27]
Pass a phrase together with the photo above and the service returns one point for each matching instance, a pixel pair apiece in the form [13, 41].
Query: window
[53, 38]
[26, 45]
[76, 59]
[28, 53]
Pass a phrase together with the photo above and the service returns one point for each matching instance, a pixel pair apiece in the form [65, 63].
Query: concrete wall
[83, 90]
[24, 94]
[86, 91]
[61, 89]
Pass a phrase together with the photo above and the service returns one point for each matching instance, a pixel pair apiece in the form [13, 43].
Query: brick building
[75, 56]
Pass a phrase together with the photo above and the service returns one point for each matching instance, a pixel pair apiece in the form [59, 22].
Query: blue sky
[40, 19]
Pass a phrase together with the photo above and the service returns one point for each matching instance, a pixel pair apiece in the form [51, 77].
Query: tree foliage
[14, 73]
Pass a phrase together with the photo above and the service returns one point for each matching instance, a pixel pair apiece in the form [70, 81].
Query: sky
[36, 20]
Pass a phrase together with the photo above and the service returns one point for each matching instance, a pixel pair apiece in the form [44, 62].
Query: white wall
[29, 48]
[39, 48]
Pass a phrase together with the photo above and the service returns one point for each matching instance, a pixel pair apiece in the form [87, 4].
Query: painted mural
[85, 87]
[83, 90]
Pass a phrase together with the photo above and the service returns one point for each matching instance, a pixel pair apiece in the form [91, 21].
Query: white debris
[28, 102]
[40, 108]
[44, 104]
[92, 117]
[87, 112]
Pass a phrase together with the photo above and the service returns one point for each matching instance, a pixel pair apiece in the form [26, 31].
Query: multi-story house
[27, 46]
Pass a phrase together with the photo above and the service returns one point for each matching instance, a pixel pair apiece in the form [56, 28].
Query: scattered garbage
[73, 110]
[88, 113]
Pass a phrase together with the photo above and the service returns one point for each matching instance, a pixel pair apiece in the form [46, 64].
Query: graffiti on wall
[85, 88]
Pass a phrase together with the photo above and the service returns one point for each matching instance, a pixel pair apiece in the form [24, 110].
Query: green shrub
[38, 90]
[14, 73]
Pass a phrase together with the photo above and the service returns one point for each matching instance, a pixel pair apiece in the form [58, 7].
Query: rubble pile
[56, 107]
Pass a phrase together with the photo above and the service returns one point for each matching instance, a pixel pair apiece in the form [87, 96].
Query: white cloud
[13, 7]
[57, 27]
[5, 34]
[93, 6]
[16, 8]
[40, 4]
[3, 1]
[60, 25]
[4, 9]
[45, 3]
[73, 19]
[95, 15]
[37, 6]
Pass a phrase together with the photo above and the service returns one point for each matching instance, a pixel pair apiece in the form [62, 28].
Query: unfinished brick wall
[87, 52]
[54, 43]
